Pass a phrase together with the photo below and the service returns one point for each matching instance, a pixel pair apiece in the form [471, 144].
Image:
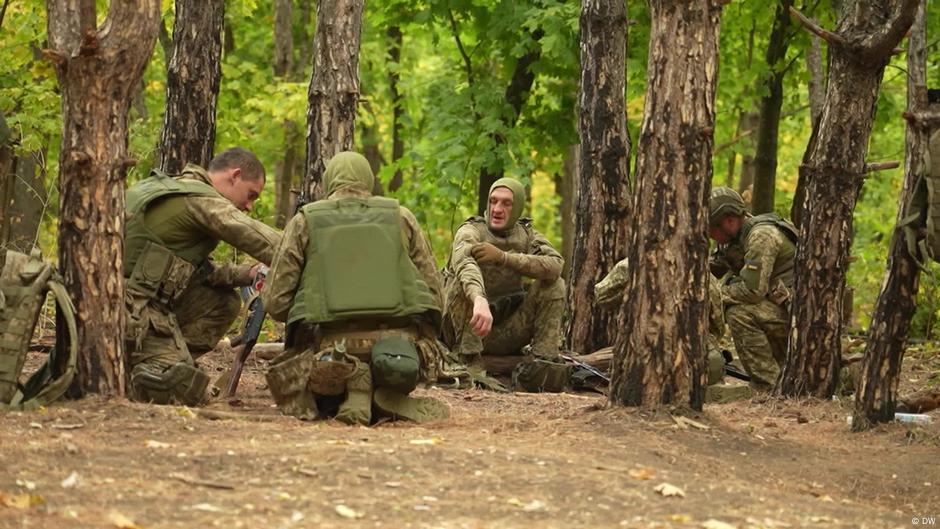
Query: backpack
[24, 283]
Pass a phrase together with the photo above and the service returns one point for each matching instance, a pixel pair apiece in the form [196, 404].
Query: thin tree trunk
[765, 156]
[661, 360]
[98, 71]
[603, 201]
[876, 397]
[516, 95]
[398, 110]
[193, 72]
[334, 88]
[833, 169]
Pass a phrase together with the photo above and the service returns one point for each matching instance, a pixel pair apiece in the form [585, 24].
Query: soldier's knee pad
[542, 375]
[180, 382]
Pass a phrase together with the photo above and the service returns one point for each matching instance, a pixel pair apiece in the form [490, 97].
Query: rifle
[252, 329]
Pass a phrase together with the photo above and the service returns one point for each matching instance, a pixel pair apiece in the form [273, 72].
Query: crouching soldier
[178, 303]
[356, 282]
[504, 291]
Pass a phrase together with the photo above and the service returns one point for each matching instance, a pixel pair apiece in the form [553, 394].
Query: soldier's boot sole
[417, 409]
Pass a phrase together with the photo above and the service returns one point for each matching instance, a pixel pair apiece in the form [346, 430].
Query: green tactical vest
[24, 283]
[148, 260]
[357, 265]
[783, 265]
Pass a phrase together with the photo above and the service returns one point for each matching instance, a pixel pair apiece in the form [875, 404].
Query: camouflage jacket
[287, 269]
[528, 254]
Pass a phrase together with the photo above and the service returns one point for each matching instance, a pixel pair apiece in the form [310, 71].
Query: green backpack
[24, 283]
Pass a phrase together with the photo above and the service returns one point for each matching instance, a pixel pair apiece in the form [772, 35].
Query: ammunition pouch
[395, 365]
[24, 283]
[183, 383]
[542, 375]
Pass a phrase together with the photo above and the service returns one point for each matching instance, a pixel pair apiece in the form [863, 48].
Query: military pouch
[395, 364]
[542, 375]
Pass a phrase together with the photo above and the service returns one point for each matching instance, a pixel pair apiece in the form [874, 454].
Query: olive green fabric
[518, 200]
[395, 364]
[357, 265]
[724, 201]
[783, 266]
[542, 375]
[24, 284]
[143, 220]
[348, 170]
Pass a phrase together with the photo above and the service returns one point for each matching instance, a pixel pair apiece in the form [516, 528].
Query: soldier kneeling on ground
[355, 281]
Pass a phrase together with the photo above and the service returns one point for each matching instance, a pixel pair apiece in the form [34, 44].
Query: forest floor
[520, 460]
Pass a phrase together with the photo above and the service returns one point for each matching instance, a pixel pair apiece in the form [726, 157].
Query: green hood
[348, 170]
[518, 199]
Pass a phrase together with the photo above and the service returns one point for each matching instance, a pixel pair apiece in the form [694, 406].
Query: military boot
[357, 408]
[418, 409]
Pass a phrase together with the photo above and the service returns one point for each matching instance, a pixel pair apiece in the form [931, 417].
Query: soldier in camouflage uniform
[757, 293]
[179, 304]
[504, 291]
[356, 282]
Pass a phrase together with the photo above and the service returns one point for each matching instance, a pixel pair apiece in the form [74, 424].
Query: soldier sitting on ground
[356, 282]
[504, 291]
[758, 291]
[179, 304]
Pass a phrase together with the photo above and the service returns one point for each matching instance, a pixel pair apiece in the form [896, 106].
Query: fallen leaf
[431, 441]
[716, 524]
[642, 473]
[122, 522]
[669, 490]
[346, 512]
[156, 444]
[70, 481]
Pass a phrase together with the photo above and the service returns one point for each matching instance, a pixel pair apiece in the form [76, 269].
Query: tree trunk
[516, 95]
[334, 88]
[566, 186]
[398, 110]
[283, 67]
[833, 168]
[661, 359]
[765, 156]
[98, 71]
[603, 201]
[876, 397]
[28, 202]
[193, 72]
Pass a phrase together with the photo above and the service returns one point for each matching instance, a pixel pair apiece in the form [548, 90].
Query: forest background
[441, 72]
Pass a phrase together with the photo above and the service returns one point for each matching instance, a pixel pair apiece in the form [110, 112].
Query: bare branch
[882, 166]
[832, 38]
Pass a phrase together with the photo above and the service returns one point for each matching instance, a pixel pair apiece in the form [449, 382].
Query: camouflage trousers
[536, 322]
[760, 333]
[202, 316]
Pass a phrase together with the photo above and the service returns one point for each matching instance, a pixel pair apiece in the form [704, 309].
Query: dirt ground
[519, 460]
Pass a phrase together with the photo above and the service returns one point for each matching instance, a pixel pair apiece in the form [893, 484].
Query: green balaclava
[518, 200]
[348, 170]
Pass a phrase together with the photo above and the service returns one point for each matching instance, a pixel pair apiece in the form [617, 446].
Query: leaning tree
[876, 396]
[832, 171]
[99, 68]
[659, 358]
[604, 189]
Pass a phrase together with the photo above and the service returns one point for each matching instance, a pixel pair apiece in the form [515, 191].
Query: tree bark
[765, 156]
[98, 71]
[398, 109]
[334, 88]
[876, 397]
[661, 359]
[193, 72]
[833, 168]
[603, 201]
